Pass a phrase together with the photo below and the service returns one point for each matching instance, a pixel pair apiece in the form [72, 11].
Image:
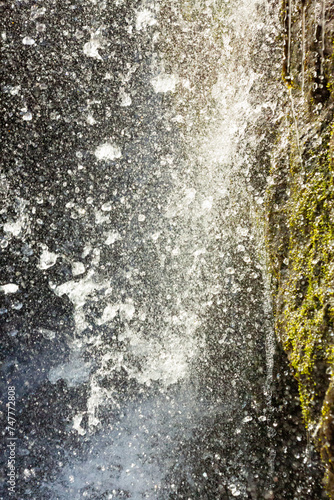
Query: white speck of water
[106, 207]
[79, 291]
[125, 98]
[9, 288]
[90, 120]
[112, 237]
[48, 334]
[14, 228]
[127, 309]
[178, 119]
[28, 41]
[47, 259]
[142, 315]
[248, 418]
[86, 251]
[155, 236]
[200, 251]
[164, 83]
[190, 194]
[109, 313]
[141, 217]
[76, 424]
[17, 306]
[37, 12]
[15, 90]
[108, 151]
[27, 116]
[234, 490]
[78, 268]
[145, 18]
[101, 217]
[91, 48]
[222, 339]
[27, 473]
[40, 27]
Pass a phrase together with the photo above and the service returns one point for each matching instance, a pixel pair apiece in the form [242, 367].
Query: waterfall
[303, 48]
[172, 257]
[146, 249]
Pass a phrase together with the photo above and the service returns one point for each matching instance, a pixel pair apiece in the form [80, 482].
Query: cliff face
[300, 217]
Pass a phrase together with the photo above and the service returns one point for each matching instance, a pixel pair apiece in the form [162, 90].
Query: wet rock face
[300, 211]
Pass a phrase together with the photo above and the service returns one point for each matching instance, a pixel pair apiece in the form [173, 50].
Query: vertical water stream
[171, 315]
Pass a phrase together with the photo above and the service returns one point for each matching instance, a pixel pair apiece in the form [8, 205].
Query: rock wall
[300, 217]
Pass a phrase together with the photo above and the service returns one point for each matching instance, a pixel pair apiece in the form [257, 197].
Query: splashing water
[168, 365]
[163, 339]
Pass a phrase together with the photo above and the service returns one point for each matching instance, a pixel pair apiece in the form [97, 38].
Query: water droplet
[27, 116]
[28, 41]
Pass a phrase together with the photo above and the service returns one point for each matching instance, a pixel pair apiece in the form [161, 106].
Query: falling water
[142, 221]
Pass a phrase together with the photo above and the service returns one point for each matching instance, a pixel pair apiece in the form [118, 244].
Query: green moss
[309, 293]
[300, 225]
[329, 70]
[300, 240]
[326, 438]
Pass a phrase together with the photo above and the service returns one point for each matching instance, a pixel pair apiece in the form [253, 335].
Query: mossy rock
[300, 220]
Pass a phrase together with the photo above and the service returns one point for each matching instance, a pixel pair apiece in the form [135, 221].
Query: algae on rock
[300, 218]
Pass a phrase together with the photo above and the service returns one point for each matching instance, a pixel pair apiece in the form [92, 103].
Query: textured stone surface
[300, 217]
